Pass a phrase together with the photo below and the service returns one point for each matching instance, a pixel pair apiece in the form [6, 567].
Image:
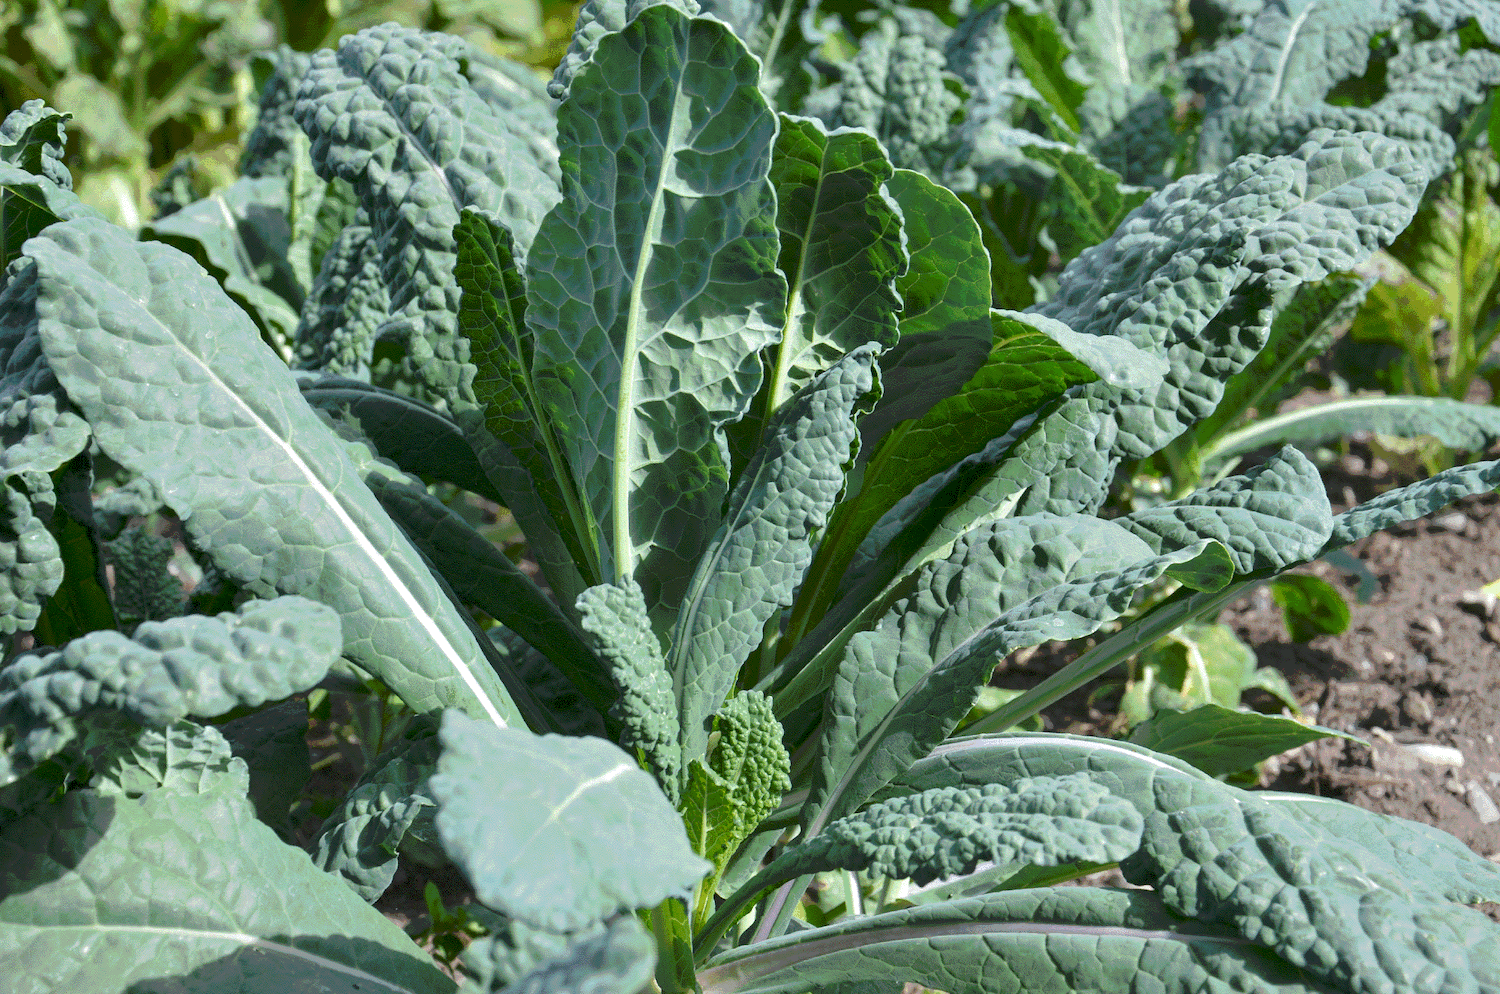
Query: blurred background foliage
[153, 83]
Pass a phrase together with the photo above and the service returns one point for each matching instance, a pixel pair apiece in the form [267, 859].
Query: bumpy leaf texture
[620, 633]
[392, 114]
[347, 305]
[666, 145]
[763, 547]
[898, 87]
[179, 388]
[1270, 86]
[1191, 276]
[742, 782]
[196, 666]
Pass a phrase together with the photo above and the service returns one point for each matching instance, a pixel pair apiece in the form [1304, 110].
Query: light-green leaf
[741, 782]
[945, 304]
[652, 286]
[1221, 741]
[178, 388]
[539, 825]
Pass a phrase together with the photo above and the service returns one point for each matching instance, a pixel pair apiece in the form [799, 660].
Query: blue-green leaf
[145, 877]
[195, 666]
[1060, 938]
[392, 114]
[614, 617]
[652, 286]
[179, 388]
[538, 824]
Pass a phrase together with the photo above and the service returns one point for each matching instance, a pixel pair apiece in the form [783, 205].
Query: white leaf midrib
[325, 495]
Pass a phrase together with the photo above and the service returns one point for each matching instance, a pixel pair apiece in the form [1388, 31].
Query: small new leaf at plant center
[1310, 605]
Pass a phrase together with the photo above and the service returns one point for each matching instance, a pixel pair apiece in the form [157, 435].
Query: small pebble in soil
[1453, 521]
[1480, 602]
[1437, 755]
[1430, 624]
[1484, 808]
[1416, 662]
[1417, 708]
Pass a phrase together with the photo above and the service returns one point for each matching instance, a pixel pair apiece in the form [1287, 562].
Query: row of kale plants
[824, 357]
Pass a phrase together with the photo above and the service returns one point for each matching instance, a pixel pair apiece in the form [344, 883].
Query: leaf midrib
[328, 498]
[625, 413]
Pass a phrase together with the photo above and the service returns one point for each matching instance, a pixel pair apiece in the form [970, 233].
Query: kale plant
[794, 488]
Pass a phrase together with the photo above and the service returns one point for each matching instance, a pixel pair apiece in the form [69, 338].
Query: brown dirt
[1416, 667]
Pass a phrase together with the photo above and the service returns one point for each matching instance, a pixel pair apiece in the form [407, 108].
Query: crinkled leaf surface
[143, 588]
[947, 831]
[614, 617]
[1275, 80]
[902, 687]
[106, 893]
[763, 547]
[1024, 371]
[1191, 276]
[492, 317]
[1410, 847]
[32, 138]
[359, 841]
[539, 825]
[652, 286]
[197, 665]
[841, 250]
[178, 388]
[391, 113]
[345, 307]
[1412, 501]
[616, 959]
[1303, 328]
[730, 794]
[1317, 898]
